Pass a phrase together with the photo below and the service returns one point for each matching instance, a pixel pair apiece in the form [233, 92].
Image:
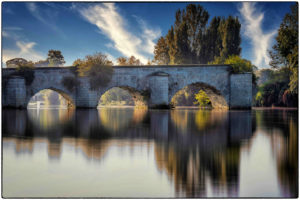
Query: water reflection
[188, 153]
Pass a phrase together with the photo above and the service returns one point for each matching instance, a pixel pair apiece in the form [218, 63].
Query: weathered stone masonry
[151, 85]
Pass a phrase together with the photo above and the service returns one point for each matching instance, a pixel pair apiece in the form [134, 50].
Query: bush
[97, 67]
[70, 83]
[202, 99]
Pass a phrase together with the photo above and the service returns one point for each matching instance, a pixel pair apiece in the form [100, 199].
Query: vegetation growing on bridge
[202, 99]
[25, 70]
[70, 83]
[97, 68]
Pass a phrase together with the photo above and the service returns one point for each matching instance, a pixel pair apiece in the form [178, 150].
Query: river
[128, 152]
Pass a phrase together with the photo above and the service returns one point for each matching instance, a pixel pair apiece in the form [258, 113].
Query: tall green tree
[189, 40]
[230, 32]
[213, 40]
[182, 43]
[285, 51]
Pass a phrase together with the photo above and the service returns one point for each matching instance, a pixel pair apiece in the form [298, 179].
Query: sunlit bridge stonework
[148, 85]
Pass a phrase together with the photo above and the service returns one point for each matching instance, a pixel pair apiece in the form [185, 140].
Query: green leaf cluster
[239, 65]
[202, 99]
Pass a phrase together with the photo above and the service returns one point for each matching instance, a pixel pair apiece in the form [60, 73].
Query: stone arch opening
[50, 98]
[123, 96]
[217, 99]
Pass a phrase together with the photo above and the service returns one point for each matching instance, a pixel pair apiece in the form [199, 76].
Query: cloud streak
[252, 28]
[45, 16]
[108, 20]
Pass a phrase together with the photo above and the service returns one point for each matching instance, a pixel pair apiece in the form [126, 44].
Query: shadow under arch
[217, 99]
[65, 95]
[139, 98]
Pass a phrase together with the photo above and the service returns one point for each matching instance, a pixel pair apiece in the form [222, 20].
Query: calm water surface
[127, 152]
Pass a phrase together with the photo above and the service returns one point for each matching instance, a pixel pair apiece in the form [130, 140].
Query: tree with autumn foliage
[96, 67]
[128, 61]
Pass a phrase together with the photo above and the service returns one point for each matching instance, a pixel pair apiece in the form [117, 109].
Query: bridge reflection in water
[202, 153]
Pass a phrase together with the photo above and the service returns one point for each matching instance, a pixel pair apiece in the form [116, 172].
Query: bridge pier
[15, 94]
[85, 97]
[159, 90]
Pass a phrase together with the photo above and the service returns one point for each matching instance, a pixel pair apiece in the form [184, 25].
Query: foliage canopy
[191, 41]
[202, 99]
[97, 67]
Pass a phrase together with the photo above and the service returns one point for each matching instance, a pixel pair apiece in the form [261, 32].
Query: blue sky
[30, 29]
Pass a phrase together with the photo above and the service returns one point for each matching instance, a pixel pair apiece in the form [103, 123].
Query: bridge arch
[140, 98]
[66, 95]
[217, 99]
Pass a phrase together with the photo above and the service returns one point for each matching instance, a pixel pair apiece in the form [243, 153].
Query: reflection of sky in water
[144, 153]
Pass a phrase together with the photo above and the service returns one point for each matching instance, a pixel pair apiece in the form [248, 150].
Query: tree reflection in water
[199, 150]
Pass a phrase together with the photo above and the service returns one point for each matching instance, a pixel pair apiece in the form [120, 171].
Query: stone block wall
[15, 94]
[159, 90]
[241, 91]
[85, 97]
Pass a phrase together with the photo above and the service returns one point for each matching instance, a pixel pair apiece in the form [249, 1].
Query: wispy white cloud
[23, 50]
[106, 17]
[45, 16]
[252, 28]
[10, 32]
[149, 35]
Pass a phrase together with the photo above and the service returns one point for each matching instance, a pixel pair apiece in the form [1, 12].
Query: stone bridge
[149, 85]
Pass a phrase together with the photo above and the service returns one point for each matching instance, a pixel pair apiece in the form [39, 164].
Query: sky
[30, 29]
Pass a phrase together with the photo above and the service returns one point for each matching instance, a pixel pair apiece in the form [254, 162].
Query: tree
[128, 61]
[189, 27]
[189, 40]
[230, 34]
[184, 52]
[55, 58]
[213, 40]
[133, 61]
[202, 99]
[285, 51]
[170, 37]
[161, 52]
[122, 61]
[97, 67]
